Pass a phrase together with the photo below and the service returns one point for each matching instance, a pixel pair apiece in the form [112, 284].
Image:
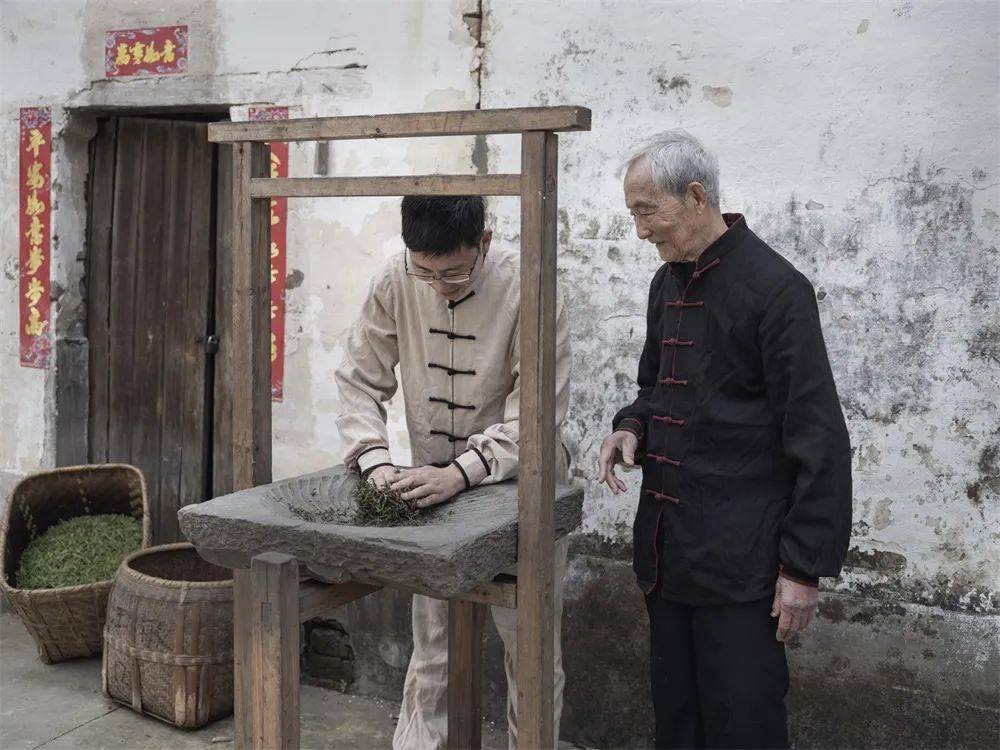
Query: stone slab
[456, 547]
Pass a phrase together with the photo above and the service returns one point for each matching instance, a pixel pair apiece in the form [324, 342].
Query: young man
[446, 310]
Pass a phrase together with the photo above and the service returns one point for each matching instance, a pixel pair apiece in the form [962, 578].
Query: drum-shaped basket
[168, 642]
[66, 622]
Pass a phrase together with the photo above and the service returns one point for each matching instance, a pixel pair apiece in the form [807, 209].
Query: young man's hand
[383, 476]
[427, 486]
[618, 447]
[794, 606]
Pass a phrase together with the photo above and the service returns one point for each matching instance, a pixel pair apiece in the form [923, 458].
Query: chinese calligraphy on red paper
[158, 51]
[35, 211]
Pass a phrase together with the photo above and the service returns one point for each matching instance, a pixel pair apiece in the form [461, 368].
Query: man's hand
[428, 486]
[794, 606]
[618, 447]
[383, 476]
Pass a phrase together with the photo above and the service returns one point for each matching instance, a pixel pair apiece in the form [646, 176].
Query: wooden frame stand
[269, 599]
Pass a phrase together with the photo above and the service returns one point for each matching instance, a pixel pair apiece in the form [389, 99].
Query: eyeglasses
[452, 278]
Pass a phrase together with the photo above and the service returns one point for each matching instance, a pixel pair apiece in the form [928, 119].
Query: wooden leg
[243, 670]
[275, 643]
[465, 674]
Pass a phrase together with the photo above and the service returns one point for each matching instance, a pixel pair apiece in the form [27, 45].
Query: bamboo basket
[66, 622]
[168, 642]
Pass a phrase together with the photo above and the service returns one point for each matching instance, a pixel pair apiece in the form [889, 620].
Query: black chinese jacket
[746, 460]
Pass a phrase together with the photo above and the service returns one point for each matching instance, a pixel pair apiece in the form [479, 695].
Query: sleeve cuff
[368, 472]
[797, 577]
[630, 424]
[371, 457]
[474, 467]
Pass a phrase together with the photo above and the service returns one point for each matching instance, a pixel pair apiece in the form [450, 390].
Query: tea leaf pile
[80, 550]
[374, 506]
[382, 506]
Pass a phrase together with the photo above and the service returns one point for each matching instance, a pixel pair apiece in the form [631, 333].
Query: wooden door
[151, 277]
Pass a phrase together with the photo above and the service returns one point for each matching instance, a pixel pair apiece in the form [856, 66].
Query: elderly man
[746, 462]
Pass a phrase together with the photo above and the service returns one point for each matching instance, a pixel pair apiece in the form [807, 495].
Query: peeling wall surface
[317, 58]
[855, 155]
[860, 139]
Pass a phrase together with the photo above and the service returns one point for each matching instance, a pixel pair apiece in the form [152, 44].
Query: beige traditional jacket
[459, 363]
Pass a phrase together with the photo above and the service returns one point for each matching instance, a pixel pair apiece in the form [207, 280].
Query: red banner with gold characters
[279, 236]
[35, 210]
[135, 52]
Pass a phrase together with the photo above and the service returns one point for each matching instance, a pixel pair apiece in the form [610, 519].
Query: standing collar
[484, 270]
[736, 231]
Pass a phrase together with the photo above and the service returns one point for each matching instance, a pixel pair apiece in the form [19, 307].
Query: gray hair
[676, 159]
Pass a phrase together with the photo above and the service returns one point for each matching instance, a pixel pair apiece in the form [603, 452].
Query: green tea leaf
[79, 550]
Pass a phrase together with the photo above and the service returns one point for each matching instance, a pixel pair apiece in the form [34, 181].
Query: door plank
[222, 404]
[150, 309]
[124, 237]
[99, 225]
[176, 207]
[195, 398]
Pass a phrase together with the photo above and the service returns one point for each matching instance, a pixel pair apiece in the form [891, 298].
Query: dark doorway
[153, 254]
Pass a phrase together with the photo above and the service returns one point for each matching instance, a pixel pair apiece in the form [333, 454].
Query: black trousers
[718, 675]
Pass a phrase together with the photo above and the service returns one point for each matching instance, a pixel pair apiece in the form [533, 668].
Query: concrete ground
[60, 706]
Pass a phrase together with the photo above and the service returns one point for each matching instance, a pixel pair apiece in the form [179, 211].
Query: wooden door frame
[70, 423]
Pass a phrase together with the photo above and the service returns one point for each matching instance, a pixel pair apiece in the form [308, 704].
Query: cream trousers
[423, 715]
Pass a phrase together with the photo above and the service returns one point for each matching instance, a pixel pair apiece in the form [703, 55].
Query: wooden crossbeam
[500, 592]
[315, 598]
[467, 122]
[341, 187]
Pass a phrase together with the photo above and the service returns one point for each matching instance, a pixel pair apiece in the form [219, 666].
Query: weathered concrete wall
[859, 138]
[318, 58]
[869, 166]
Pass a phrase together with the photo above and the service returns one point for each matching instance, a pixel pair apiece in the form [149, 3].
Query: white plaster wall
[319, 58]
[860, 140]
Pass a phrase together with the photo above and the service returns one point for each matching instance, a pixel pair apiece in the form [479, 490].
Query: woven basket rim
[34, 476]
[127, 571]
[9, 509]
[58, 591]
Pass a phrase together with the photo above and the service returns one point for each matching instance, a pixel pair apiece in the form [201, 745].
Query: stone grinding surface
[454, 548]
